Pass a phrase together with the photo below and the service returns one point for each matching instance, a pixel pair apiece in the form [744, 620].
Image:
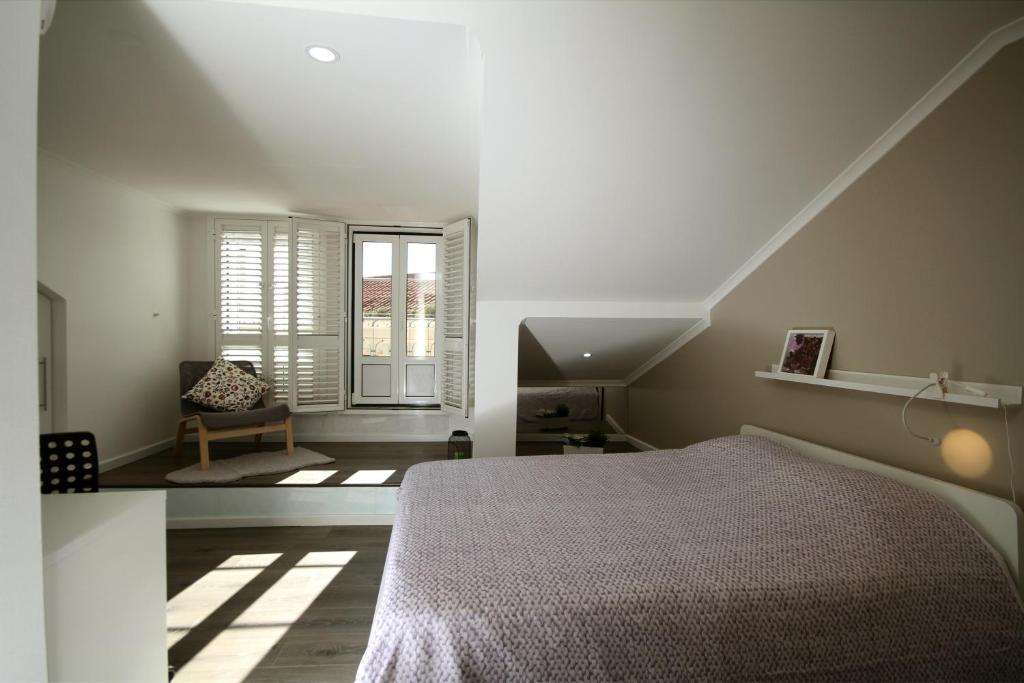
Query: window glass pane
[420, 299]
[376, 304]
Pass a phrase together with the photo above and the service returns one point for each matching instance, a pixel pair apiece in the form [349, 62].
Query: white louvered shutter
[318, 310]
[455, 275]
[240, 290]
[280, 307]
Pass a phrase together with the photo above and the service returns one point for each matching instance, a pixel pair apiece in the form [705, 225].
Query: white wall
[22, 643]
[118, 258]
[199, 304]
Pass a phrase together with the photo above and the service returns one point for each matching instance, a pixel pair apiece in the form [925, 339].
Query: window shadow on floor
[272, 603]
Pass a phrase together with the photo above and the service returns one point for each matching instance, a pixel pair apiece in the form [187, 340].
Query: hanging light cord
[1009, 453]
[906, 425]
[937, 442]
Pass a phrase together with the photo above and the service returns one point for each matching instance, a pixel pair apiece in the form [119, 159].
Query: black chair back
[68, 463]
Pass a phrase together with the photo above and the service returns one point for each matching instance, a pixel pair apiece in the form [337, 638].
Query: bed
[738, 558]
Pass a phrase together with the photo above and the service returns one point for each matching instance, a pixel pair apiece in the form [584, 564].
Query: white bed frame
[997, 520]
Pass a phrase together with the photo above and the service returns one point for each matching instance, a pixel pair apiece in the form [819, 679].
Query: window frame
[398, 401]
[211, 258]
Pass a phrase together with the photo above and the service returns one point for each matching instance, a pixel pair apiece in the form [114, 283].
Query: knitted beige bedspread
[735, 559]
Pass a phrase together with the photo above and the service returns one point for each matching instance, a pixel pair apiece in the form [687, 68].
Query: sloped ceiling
[551, 349]
[629, 151]
[215, 107]
[661, 144]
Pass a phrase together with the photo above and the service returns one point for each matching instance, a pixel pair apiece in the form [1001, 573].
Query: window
[457, 364]
[280, 305]
[395, 319]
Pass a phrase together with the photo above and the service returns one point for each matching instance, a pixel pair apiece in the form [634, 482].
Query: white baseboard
[642, 445]
[614, 425]
[260, 521]
[137, 454]
[237, 506]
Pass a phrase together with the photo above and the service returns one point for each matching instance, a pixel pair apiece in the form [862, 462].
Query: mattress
[733, 559]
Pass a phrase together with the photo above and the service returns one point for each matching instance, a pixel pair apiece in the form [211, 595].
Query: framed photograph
[806, 352]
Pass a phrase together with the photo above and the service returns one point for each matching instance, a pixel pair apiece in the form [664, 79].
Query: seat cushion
[227, 388]
[245, 418]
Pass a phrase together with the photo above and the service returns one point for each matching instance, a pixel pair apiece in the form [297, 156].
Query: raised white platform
[237, 506]
[104, 571]
[898, 385]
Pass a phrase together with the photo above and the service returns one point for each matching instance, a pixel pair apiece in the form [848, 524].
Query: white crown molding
[947, 85]
[74, 165]
[964, 69]
[672, 347]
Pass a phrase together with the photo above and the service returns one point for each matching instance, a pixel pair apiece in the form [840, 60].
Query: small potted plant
[584, 443]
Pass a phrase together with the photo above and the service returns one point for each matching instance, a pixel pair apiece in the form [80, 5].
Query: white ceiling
[629, 151]
[216, 107]
[553, 348]
[659, 145]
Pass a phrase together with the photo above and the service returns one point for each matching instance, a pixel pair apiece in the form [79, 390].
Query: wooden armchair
[211, 425]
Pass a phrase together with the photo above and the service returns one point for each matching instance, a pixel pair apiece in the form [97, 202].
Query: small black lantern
[460, 446]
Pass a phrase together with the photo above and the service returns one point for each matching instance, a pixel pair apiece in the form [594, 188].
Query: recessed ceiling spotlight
[322, 54]
[587, 354]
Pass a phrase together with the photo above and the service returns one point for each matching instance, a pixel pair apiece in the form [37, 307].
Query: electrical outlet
[941, 379]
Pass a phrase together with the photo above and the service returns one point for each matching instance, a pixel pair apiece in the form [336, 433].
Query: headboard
[997, 520]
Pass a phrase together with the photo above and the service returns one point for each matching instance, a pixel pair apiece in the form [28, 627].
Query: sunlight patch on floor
[192, 606]
[327, 558]
[364, 477]
[234, 652]
[306, 477]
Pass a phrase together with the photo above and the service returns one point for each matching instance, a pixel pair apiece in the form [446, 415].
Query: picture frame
[807, 351]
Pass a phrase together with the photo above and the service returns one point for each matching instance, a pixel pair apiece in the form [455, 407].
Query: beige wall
[919, 266]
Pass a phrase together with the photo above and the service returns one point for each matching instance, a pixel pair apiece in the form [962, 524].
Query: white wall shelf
[897, 385]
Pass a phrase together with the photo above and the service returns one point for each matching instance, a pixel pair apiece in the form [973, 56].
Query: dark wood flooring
[149, 472]
[555, 447]
[323, 643]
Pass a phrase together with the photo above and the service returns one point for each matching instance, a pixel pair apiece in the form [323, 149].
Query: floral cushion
[227, 387]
